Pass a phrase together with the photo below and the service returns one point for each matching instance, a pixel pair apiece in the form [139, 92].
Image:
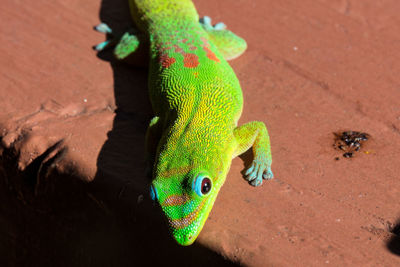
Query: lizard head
[186, 201]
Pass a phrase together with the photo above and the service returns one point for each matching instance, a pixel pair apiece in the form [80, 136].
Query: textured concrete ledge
[72, 127]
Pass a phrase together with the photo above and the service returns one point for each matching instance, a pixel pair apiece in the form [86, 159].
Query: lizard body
[197, 101]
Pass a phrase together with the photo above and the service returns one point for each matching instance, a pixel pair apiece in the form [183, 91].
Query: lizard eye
[202, 185]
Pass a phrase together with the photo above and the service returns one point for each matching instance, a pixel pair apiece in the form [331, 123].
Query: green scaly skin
[197, 102]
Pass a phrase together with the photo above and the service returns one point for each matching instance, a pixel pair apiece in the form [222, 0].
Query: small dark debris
[349, 142]
[348, 155]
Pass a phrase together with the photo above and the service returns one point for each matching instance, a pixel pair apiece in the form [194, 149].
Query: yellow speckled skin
[197, 101]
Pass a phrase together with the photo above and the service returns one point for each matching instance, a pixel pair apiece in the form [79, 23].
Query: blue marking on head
[153, 193]
[188, 207]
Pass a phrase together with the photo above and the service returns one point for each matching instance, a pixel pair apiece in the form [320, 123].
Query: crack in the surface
[22, 126]
[306, 75]
[358, 106]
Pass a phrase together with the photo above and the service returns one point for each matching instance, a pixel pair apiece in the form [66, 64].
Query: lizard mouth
[189, 219]
[186, 227]
[186, 238]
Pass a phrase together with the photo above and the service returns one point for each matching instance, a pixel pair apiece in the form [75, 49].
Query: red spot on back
[163, 49]
[190, 60]
[210, 54]
[178, 49]
[166, 61]
[204, 40]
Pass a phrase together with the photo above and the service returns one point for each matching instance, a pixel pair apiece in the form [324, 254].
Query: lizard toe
[256, 182]
[268, 175]
[249, 170]
[220, 26]
[101, 46]
[206, 23]
[103, 28]
[252, 176]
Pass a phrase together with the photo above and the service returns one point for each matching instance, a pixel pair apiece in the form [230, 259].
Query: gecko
[197, 102]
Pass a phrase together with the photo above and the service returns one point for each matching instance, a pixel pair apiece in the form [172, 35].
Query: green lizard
[197, 101]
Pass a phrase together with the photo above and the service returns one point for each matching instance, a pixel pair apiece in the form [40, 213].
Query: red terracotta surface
[72, 129]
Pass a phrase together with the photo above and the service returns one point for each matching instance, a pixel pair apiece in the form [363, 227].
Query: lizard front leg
[254, 134]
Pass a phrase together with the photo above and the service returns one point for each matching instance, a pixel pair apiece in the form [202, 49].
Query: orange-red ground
[312, 68]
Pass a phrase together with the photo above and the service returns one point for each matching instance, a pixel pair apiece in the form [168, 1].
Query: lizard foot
[206, 23]
[257, 172]
[125, 43]
[103, 28]
[229, 44]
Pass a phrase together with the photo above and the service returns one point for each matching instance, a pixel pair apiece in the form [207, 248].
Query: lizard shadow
[393, 244]
[120, 181]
